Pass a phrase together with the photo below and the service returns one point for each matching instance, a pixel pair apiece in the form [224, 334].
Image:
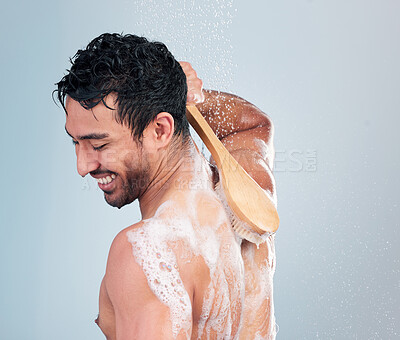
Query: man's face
[108, 152]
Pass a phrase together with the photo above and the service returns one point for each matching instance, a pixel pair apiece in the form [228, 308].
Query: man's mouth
[106, 180]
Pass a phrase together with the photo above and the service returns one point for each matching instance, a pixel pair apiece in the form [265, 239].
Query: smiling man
[181, 272]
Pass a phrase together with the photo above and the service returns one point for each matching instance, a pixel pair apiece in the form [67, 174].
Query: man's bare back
[187, 261]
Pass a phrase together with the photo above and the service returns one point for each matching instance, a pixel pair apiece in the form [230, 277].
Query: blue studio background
[327, 72]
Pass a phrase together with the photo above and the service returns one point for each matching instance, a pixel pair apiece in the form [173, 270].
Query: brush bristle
[242, 229]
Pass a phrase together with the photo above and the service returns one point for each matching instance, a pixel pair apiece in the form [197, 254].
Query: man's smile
[106, 180]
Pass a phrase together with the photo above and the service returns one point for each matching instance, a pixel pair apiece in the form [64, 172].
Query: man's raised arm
[247, 133]
[244, 129]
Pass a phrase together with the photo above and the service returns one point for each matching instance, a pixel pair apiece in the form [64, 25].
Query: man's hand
[195, 93]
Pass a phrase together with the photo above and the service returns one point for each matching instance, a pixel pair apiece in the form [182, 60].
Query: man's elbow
[267, 123]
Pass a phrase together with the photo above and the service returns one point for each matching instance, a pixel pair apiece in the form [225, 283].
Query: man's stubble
[135, 180]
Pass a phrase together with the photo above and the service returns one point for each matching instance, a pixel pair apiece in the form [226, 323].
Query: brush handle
[207, 135]
[244, 196]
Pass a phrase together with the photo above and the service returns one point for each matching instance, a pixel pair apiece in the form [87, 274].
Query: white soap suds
[189, 229]
[152, 252]
[244, 231]
[259, 306]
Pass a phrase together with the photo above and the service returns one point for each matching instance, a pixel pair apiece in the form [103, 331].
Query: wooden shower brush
[252, 212]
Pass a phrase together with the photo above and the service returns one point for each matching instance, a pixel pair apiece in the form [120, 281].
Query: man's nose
[86, 161]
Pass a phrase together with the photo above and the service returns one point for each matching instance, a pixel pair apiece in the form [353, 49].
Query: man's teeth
[106, 180]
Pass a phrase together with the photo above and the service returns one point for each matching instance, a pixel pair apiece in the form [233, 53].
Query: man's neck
[175, 168]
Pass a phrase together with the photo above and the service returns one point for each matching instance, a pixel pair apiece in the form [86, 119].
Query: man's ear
[162, 129]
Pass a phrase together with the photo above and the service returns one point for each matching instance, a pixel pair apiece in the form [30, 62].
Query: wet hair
[144, 75]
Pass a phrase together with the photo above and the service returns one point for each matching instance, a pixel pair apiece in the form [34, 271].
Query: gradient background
[328, 74]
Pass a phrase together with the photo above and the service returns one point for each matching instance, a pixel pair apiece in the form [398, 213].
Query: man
[181, 272]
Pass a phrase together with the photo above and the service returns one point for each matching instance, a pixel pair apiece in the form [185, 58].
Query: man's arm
[139, 314]
[247, 133]
[244, 129]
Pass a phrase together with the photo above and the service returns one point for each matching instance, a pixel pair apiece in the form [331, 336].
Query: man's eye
[97, 148]
[74, 142]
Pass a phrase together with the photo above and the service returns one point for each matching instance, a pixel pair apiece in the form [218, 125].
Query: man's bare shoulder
[121, 265]
[147, 253]
[121, 249]
[132, 244]
[145, 289]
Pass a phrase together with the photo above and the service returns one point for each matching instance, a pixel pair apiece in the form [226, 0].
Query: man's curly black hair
[144, 75]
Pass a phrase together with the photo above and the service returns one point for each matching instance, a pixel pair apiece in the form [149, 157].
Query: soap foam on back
[159, 263]
[153, 247]
[259, 307]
